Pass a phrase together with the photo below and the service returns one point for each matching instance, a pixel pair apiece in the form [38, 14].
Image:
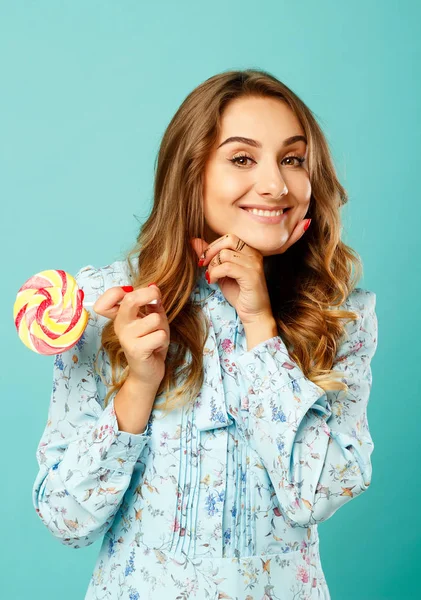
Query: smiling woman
[260, 353]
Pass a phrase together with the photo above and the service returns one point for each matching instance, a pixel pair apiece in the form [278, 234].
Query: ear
[198, 245]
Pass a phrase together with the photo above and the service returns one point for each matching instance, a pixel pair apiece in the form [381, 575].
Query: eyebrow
[256, 144]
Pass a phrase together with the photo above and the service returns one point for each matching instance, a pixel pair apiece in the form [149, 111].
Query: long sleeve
[315, 445]
[85, 462]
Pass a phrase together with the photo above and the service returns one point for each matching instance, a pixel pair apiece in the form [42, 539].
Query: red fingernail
[201, 261]
[207, 276]
[149, 285]
[127, 288]
[307, 225]
[82, 293]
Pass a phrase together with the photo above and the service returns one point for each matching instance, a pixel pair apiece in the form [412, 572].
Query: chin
[268, 245]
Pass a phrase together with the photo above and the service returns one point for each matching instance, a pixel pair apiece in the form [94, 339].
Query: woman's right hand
[145, 337]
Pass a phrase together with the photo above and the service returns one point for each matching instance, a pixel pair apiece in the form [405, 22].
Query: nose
[271, 182]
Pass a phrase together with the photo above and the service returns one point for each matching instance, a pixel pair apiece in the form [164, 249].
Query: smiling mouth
[271, 218]
[260, 211]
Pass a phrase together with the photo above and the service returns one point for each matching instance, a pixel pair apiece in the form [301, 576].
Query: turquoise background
[87, 90]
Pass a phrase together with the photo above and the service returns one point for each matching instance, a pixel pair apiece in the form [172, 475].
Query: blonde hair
[305, 283]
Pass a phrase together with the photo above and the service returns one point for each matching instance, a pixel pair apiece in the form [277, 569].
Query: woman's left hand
[240, 275]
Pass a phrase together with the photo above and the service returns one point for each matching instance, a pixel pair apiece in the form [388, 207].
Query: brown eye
[300, 159]
[243, 157]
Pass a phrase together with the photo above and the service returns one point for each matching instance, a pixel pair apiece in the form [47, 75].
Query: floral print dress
[219, 499]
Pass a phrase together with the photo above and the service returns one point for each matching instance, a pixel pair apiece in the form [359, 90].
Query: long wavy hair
[305, 284]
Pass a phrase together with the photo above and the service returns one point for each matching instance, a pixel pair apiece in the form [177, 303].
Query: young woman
[205, 437]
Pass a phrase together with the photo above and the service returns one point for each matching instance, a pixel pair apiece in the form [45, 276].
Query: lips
[265, 219]
[284, 208]
[249, 208]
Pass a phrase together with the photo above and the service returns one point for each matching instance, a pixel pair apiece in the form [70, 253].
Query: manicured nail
[207, 276]
[127, 288]
[307, 225]
[82, 293]
[149, 285]
[201, 261]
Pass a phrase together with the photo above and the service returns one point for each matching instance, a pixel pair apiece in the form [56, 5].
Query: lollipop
[49, 312]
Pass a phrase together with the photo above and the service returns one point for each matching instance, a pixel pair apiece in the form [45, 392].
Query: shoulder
[361, 333]
[361, 300]
[95, 280]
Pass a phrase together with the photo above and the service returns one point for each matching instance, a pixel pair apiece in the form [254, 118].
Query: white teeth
[265, 213]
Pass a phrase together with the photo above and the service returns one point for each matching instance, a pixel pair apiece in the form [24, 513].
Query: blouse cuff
[267, 367]
[111, 448]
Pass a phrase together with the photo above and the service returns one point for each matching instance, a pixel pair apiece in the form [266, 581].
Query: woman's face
[259, 177]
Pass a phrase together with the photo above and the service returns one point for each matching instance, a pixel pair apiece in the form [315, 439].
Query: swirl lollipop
[49, 312]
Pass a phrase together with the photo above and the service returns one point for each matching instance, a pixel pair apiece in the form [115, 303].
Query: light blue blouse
[220, 499]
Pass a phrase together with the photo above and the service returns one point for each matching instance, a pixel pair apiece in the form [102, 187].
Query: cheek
[301, 188]
[302, 193]
[224, 185]
[227, 190]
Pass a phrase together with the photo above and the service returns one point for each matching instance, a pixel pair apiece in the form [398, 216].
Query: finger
[207, 250]
[133, 301]
[198, 245]
[212, 249]
[158, 309]
[156, 340]
[230, 241]
[107, 304]
[245, 275]
[110, 302]
[144, 342]
[228, 255]
[148, 324]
